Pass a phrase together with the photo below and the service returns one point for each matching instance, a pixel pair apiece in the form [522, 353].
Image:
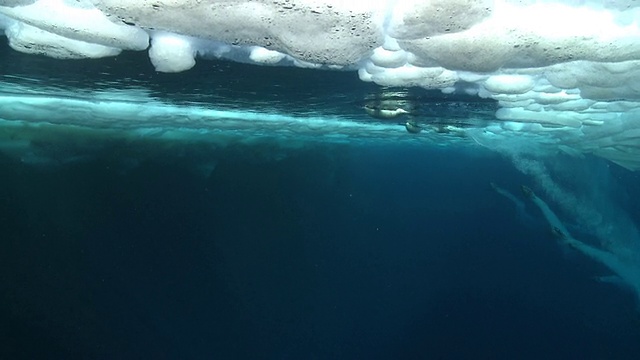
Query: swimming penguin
[412, 127]
[558, 234]
[527, 192]
[379, 111]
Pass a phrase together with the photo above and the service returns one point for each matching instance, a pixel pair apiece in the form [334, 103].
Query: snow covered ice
[565, 73]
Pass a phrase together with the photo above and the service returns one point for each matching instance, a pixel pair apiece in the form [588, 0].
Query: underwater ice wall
[567, 72]
[585, 214]
[591, 205]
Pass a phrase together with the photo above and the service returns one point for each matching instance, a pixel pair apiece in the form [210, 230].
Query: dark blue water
[330, 252]
[137, 250]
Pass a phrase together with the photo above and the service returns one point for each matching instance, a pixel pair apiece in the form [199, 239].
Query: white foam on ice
[32, 40]
[78, 20]
[171, 53]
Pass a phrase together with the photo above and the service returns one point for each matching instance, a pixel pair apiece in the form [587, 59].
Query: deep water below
[326, 252]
